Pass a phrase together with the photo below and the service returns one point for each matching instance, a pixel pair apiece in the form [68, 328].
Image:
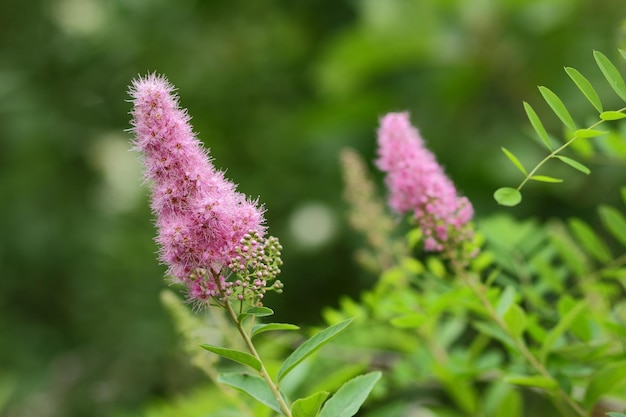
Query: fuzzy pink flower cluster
[200, 217]
[418, 184]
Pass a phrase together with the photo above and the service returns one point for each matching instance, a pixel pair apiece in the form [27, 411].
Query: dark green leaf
[589, 240]
[611, 74]
[612, 115]
[558, 107]
[507, 196]
[349, 398]
[252, 385]
[574, 164]
[311, 346]
[309, 406]
[535, 121]
[545, 178]
[260, 328]
[515, 161]
[535, 381]
[614, 222]
[235, 355]
[585, 87]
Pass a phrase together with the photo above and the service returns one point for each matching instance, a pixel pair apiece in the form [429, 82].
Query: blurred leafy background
[276, 89]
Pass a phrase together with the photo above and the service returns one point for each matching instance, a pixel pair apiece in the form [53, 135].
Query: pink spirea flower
[200, 216]
[418, 184]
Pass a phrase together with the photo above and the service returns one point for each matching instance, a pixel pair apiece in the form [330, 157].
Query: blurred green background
[276, 89]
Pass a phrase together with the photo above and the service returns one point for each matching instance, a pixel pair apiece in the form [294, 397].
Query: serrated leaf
[589, 240]
[614, 222]
[607, 380]
[535, 381]
[515, 161]
[310, 346]
[574, 164]
[588, 133]
[254, 386]
[261, 328]
[349, 398]
[309, 406]
[545, 178]
[507, 196]
[515, 319]
[611, 74]
[535, 121]
[235, 355]
[612, 115]
[585, 87]
[557, 107]
[561, 327]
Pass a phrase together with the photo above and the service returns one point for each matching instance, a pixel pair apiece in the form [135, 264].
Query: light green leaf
[614, 413]
[493, 331]
[561, 327]
[588, 133]
[260, 328]
[255, 312]
[349, 398]
[614, 222]
[607, 380]
[515, 319]
[507, 196]
[309, 406]
[545, 178]
[408, 321]
[585, 87]
[515, 161]
[611, 74]
[507, 297]
[235, 355]
[558, 107]
[589, 240]
[612, 115]
[252, 385]
[535, 121]
[535, 381]
[622, 192]
[574, 164]
[311, 346]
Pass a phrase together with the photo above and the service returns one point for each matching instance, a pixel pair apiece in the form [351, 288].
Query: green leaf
[254, 386]
[585, 87]
[611, 74]
[558, 107]
[515, 319]
[574, 164]
[622, 53]
[507, 196]
[349, 398]
[589, 240]
[260, 328]
[612, 115]
[607, 380]
[493, 331]
[545, 178]
[535, 381]
[561, 327]
[535, 121]
[615, 414]
[588, 133]
[409, 321]
[235, 355]
[515, 161]
[507, 297]
[309, 406]
[311, 346]
[614, 222]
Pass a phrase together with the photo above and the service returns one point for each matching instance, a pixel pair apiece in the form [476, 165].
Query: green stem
[558, 150]
[480, 291]
[268, 380]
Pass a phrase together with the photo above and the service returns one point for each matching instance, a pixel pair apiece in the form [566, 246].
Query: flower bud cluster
[255, 266]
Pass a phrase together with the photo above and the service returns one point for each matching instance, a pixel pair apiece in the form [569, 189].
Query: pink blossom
[200, 216]
[418, 184]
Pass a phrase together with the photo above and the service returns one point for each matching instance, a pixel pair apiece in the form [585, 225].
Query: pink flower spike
[200, 216]
[417, 184]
